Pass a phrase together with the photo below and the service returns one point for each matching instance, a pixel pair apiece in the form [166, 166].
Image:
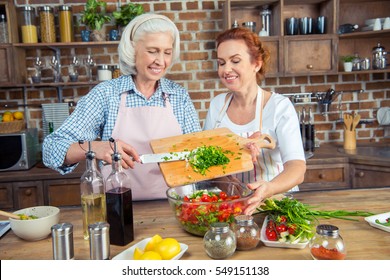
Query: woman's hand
[253, 147]
[261, 189]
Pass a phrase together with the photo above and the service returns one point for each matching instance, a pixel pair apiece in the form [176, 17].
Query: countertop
[363, 242]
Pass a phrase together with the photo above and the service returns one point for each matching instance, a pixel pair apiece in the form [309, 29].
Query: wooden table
[155, 217]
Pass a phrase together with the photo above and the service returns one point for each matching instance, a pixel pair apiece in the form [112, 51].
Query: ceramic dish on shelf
[263, 238]
[382, 218]
[128, 253]
[372, 21]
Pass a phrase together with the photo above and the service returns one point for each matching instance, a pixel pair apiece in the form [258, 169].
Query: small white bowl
[36, 229]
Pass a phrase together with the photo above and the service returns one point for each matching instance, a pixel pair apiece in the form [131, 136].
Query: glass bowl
[216, 201]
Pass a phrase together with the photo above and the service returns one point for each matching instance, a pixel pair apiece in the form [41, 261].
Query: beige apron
[137, 127]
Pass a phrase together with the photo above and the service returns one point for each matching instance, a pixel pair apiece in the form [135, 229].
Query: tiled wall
[199, 22]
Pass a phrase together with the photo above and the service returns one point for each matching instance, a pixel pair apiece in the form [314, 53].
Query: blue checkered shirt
[96, 113]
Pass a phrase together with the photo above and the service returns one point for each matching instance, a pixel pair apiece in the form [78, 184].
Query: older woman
[249, 110]
[135, 108]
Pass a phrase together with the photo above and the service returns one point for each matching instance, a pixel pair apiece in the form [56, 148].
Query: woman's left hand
[255, 150]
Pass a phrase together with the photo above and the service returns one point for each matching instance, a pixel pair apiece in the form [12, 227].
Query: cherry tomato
[271, 224]
[282, 219]
[186, 199]
[291, 229]
[271, 235]
[223, 195]
[281, 228]
[205, 198]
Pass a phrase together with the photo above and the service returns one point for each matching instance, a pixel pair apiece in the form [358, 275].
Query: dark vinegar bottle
[119, 204]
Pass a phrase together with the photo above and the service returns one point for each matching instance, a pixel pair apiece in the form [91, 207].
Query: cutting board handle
[265, 141]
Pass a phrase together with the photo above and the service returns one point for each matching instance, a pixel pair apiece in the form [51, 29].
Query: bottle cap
[99, 241]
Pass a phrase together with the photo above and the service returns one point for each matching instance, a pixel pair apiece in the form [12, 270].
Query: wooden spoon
[9, 215]
[348, 121]
[356, 120]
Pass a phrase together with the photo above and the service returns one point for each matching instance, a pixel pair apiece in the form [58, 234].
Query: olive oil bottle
[93, 199]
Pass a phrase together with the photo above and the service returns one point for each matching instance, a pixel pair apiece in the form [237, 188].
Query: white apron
[265, 168]
[137, 127]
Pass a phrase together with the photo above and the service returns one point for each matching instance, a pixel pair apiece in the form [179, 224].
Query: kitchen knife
[164, 157]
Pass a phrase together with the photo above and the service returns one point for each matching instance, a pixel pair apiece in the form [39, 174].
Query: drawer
[326, 177]
[6, 201]
[64, 192]
[366, 176]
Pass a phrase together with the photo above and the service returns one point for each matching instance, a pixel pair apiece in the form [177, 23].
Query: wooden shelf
[365, 34]
[68, 45]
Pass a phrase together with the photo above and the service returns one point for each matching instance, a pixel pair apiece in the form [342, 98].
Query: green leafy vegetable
[387, 223]
[202, 158]
[304, 215]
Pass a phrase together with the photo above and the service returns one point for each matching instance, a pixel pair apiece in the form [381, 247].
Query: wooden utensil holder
[349, 139]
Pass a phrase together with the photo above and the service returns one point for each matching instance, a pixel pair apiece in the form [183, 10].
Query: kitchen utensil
[9, 215]
[164, 157]
[349, 139]
[177, 173]
[379, 57]
[348, 121]
[356, 120]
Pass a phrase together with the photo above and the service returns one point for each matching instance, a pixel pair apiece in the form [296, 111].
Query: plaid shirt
[96, 113]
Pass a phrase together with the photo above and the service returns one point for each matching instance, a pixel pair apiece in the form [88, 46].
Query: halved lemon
[168, 248]
[152, 243]
[150, 255]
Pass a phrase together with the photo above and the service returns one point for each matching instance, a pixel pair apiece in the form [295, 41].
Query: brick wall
[199, 22]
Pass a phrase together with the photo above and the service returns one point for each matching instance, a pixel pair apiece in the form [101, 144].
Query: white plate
[129, 253]
[278, 244]
[382, 218]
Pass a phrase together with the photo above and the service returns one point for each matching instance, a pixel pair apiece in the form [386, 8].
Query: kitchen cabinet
[370, 176]
[313, 54]
[326, 177]
[64, 192]
[27, 194]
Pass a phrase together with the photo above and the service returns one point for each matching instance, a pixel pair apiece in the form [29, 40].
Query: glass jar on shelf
[65, 23]
[327, 244]
[3, 29]
[47, 25]
[28, 25]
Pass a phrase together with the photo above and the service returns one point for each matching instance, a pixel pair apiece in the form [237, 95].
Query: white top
[279, 120]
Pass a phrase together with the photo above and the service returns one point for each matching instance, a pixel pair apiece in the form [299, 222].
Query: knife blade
[164, 157]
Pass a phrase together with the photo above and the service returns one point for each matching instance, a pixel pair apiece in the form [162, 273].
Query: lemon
[152, 243]
[18, 115]
[8, 118]
[138, 253]
[7, 113]
[150, 255]
[168, 248]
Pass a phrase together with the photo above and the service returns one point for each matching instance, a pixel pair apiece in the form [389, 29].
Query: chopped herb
[202, 158]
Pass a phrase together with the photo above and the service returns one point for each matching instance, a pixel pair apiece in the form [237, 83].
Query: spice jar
[28, 25]
[327, 244]
[247, 232]
[46, 20]
[116, 72]
[219, 241]
[104, 72]
[65, 22]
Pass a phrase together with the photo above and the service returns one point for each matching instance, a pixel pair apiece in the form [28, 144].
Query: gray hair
[136, 29]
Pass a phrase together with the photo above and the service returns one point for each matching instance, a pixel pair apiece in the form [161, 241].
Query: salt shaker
[247, 232]
[327, 244]
[62, 241]
[219, 241]
[99, 241]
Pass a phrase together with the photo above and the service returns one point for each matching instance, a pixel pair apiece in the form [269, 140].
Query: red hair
[256, 48]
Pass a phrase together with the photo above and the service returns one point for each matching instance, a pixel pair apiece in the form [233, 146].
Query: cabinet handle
[27, 192]
[321, 176]
[309, 66]
[360, 174]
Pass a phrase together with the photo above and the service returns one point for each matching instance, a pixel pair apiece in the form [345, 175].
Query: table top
[363, 242]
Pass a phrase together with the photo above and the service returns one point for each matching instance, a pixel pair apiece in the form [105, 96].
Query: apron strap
[222, 112]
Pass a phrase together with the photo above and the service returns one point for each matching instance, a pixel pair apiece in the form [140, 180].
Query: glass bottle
[219, 241]
[65, 22]
[247, 232]
[93, 200]
[327, 244]
[28, 25]
[3, 30]
[47, 26]
[119, 203]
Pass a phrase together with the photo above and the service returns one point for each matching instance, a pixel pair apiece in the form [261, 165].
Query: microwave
[19, 150]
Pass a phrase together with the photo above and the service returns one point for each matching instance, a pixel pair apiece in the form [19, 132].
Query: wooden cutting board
[178, 173]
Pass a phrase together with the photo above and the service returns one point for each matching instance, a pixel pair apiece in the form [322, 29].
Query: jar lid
[104, 67]
[65, 8]
[249, 23]
[220, 227]
[62, 229]
[45, 9]
[328, 230]
[244, 220]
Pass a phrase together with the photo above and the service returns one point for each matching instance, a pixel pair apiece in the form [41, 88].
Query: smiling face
[153, 56]
[236, 68]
